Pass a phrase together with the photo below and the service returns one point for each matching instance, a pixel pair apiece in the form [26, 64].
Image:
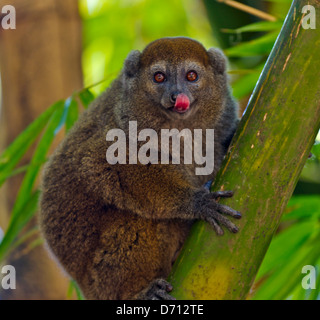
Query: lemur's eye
[159, 77]
[192, 76]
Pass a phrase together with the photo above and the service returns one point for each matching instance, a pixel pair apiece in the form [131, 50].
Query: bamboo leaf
[86, 97]
[303, 207]
[260, 46]
[13, 154]
[73, 113]
[21, 218]
[245, 85]
[19, 170]
[38, 158]
[73, 286]
[285, 246]
[242, 71]
[257, 27]
[27, 200]
[282, 282]
[289, 251]
[316, 150]
[25, 237]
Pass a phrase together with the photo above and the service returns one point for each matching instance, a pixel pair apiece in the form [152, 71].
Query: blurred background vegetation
[62, 55]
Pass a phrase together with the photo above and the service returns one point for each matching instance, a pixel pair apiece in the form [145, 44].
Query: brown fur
[171, 52]
[116, 228]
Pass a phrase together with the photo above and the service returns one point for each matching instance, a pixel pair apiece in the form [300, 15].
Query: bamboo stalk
[262, 166]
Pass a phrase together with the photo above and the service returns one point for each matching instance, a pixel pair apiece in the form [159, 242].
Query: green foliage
[72, 113]
[73, 287]
[295, 245]
[11, 156]
[46, 126]
[86, 97]
[112, 29]
[259, 47]
[258, 27]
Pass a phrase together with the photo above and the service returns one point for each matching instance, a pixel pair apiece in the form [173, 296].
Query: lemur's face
[175, 88]
[178, 77]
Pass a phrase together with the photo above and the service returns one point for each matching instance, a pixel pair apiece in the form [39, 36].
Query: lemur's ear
[218, 60]
[131, 64]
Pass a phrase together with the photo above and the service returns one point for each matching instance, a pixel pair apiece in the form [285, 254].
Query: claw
[229, 211]
[221, 194]
[215, 226]
[226, 222]
[213, 212]
[159, 290]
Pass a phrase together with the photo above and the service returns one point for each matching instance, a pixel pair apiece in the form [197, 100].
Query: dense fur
[116, 228]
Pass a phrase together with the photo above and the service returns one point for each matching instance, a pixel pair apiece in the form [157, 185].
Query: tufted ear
[217, 60]
[131, 64]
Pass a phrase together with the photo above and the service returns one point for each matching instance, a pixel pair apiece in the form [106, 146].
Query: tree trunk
[40, 63]
[262, 166]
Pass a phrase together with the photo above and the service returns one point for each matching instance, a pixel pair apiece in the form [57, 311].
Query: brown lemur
[118, 228]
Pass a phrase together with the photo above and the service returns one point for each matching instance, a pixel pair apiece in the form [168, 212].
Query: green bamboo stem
[262, 167]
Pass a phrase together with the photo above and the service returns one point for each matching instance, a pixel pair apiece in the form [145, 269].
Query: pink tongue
[182, 103]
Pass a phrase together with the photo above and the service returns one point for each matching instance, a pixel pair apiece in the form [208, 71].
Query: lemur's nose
[174, 96]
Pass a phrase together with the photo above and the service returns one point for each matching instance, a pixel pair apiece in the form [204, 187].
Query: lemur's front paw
[158, 290]
[213, 212]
